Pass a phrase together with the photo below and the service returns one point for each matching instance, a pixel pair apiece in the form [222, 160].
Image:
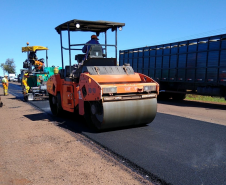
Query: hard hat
[94, 37]
[5, 75]
[26, 74]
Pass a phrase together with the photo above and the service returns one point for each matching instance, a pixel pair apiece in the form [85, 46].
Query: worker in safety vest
[5, 84]
[24, 82]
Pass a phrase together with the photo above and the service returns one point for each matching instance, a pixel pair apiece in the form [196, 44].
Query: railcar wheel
[178, 96]
[164, 96]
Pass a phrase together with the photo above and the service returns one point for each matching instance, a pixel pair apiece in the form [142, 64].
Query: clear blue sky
[148, 22]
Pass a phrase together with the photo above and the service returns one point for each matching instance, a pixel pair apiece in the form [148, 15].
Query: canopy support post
[69, 45]
[62, 58]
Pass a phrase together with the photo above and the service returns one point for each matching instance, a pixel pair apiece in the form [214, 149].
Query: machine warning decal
[49, 87]
[79, 95]
[92, 90]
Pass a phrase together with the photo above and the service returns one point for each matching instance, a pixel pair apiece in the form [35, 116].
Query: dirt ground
[36, 151]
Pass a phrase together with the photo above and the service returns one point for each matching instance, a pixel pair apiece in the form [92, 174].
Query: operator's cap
[94, 37]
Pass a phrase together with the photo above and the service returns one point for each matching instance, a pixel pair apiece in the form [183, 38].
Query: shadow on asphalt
[15, 83]
[72, 122]
[38, 117]
[77, 123]
[15, 98]
[187, 103]
[67, 121]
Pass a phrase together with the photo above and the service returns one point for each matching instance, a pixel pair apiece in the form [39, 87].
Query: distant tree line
[9, 66]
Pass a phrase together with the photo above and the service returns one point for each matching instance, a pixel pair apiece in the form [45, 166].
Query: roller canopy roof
[33, 48]
[93, 26]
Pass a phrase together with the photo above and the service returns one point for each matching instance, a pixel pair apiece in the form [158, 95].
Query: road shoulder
[35, 151]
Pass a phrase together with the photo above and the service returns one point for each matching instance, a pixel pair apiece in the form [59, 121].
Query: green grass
[205, 98]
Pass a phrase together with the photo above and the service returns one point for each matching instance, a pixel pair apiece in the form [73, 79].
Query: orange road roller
[107, 95]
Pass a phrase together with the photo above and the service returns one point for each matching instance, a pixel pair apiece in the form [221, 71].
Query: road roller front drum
[120, 113]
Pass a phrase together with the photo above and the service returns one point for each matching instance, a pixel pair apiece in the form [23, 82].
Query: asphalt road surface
[174, 149]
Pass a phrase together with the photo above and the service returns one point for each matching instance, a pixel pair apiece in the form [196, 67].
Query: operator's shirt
[86, 48]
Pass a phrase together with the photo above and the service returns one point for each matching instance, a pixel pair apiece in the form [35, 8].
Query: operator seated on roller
[75, 67]
[86, 48]
[39, 64]
[32, 56]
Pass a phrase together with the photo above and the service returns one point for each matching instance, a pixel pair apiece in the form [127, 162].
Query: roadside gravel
[34, 150]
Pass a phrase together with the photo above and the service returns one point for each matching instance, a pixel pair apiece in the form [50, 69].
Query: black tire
[26, 98]
[76, 111]
[87, 114]
[178, 96]
[55, 104]
[88, 117]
